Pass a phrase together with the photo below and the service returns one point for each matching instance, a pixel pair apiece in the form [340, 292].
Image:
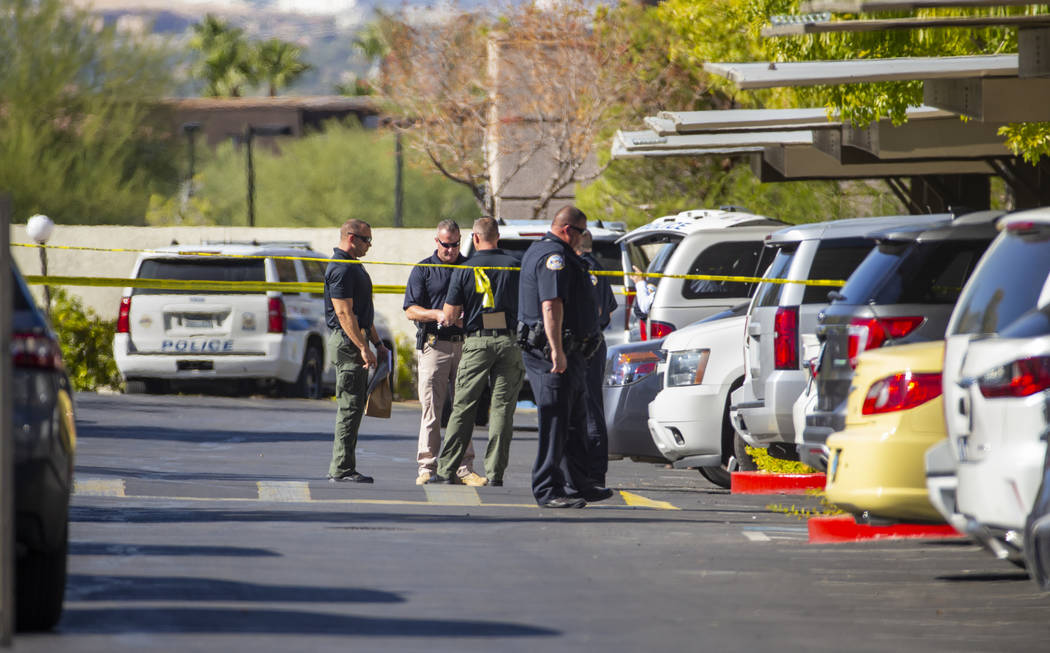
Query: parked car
[894, 414]
[44, 445]
[179, 336]
[1037, 526]
[722, 242]
[700, 241]
[904, 291]
[515, 236]
[689, 417]
[996, 378]
[783, 317]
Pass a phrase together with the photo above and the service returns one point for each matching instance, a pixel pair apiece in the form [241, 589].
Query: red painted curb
[844, 528]
[766, 483]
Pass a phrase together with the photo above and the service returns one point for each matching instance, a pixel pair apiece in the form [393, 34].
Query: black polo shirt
[462, 290]
[602, 289]
[551, 270]
[348, 281]
[427, 287]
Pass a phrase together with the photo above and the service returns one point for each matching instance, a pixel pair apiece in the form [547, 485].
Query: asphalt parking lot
[205, 524]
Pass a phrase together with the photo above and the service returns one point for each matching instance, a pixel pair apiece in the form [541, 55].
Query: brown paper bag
[380, 401]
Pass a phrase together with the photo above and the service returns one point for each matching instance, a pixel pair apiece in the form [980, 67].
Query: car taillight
[643, 329]
[785, 338]
[630, 367]
[901, 392]
[275, 315]
[1020, 378]
[32, 350]
[872, 333]
[659, 329]
[124, 317]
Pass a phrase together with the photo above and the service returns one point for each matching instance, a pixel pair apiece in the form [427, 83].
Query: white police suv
[271, 338]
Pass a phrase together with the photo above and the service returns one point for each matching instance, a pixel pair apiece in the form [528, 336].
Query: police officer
[349, 313]
[597, 433]
[559, 322]
[440, 345]
[487, 302]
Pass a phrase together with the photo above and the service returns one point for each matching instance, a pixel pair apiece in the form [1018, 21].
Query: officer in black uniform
[597, 433]
[558, 330]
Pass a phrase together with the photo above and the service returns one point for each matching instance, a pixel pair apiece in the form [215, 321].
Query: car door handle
[754, 330]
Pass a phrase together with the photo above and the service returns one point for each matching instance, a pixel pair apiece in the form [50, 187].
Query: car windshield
[200, 269]
[914, 272]
[740, 259]
[836, 259]
[1008, 285]
[652, 254]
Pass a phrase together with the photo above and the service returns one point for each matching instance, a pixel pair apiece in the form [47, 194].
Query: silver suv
[782, 319]
[269, 338]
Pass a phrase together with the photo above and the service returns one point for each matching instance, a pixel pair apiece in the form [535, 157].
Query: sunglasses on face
[367, 239]
[576, 229]
[449, 245]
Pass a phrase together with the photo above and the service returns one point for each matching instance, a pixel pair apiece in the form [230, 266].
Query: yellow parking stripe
[99, 487]
[452, 495]
[638, 501]
[283, 491]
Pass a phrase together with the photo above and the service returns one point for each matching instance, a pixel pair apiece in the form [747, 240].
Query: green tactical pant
[351, 387]
[484, 356]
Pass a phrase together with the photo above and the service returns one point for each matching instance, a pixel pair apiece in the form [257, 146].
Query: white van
[175, 335]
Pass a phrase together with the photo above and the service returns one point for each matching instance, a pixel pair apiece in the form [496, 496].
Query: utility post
[190, 129]
[399, 188]
[39, 228]
[250, 132]
[7, 468]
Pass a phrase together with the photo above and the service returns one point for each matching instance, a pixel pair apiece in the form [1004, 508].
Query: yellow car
[894, 414]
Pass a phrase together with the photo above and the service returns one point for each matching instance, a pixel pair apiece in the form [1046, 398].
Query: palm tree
[227, 63]
[279, 63]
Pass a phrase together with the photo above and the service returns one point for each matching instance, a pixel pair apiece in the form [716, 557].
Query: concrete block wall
[393, 245]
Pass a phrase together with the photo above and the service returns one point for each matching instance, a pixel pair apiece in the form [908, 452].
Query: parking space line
[98, 487]
[293, 491]
[638, 501]
[452, 495]
[756, 536]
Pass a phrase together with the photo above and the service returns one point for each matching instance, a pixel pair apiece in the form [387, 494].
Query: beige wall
[398, 245]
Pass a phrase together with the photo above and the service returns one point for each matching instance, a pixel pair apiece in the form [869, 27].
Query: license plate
[197, 323]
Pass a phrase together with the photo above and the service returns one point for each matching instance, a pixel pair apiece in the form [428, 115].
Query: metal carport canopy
[684, 122]
[859, 71]
[646, 139]
[872, 6]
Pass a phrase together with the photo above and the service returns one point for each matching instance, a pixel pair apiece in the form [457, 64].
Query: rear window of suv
[836, 260]
[200, 269]
[1012, 276]
[738, 259]
[914, 272]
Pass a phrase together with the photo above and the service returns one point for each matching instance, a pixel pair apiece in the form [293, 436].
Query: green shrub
[87, 343]
[767, 463]
[405, 374]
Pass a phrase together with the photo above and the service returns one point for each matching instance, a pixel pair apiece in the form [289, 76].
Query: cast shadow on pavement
[278, 622]
[88, 587]
[157, 475]
[121, 549]
[985, 577]
[204, 436]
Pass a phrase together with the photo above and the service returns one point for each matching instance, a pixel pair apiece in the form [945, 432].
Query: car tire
[309, 384]
[744, 461]
[720, 476]
[40, 586]
[135, 387]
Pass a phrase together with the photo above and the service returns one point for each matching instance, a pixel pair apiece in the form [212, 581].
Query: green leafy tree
[227, 60]
[81, 139]
[86, 341]
[279, 63]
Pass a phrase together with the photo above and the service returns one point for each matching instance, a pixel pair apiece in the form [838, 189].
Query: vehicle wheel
[308, 385]
[744, 461]
[720, 476]
[40, 586]
[134, 387]
[157, 386]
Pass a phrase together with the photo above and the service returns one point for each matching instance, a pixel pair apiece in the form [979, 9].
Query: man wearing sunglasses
[559, 318]
[350, 314]
[439, 343]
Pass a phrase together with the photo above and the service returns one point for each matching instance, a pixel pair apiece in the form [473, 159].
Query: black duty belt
[488, 332]
[455, 337]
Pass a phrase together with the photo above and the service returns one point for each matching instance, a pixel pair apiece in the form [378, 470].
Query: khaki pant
[484, 356]
[437, 365]
[351, 386]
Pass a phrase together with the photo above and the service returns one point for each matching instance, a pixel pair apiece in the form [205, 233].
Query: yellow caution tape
[314, 287]
[231, 285]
